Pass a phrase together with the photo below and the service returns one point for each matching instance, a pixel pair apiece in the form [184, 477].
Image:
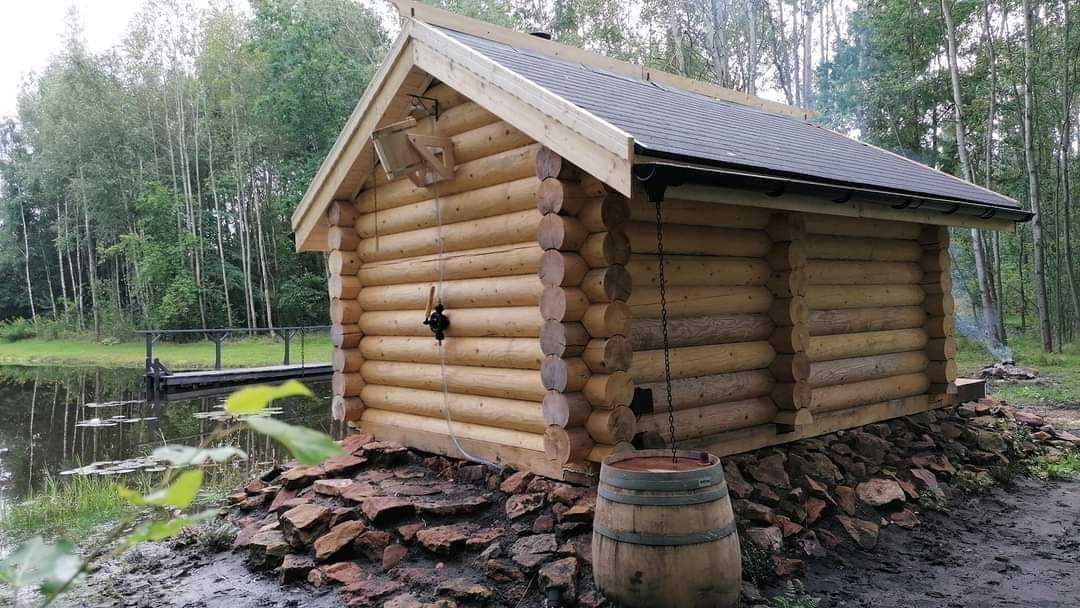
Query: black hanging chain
[662, 284]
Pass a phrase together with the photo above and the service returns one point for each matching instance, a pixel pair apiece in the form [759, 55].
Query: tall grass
[70, 507]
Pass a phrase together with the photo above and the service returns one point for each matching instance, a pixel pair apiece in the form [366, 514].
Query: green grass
[1064, 466]
[245, 352]
[1059, 381]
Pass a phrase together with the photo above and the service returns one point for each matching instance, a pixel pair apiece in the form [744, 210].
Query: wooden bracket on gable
[424, 159]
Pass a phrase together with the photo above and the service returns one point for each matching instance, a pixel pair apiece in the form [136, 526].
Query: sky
[30, 32]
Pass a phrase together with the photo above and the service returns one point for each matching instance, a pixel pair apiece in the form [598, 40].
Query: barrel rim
[664, 481]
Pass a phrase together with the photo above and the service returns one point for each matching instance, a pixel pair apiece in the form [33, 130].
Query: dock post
[149, 352]
[287, 334]
[217, 337]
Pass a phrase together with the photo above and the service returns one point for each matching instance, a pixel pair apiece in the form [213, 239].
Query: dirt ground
[1013, 546]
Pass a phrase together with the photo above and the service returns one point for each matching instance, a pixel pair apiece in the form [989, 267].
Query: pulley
[435, 318]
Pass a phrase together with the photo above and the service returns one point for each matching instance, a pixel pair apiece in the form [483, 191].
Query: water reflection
[57, 419]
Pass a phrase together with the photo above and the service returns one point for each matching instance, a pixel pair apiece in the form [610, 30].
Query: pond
[54, 420]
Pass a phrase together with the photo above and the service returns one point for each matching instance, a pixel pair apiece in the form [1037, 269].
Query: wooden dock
[207, 378]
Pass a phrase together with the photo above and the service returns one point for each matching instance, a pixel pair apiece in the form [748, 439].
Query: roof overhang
[710, 183]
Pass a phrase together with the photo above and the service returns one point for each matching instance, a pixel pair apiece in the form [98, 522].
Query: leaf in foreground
[44, 565]
[183, 455]
[162, 529]
[308, 446]
[178, 495]
[255, 399]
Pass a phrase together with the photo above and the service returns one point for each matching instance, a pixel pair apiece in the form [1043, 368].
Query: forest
[151, 185]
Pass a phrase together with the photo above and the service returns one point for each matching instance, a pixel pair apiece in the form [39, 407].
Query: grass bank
[1059, 381]
[240, 352]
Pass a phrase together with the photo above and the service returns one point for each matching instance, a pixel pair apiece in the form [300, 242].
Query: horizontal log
[789, 339]
[935, 260]
[791, 395]
[343, 287]
[857, 369]
[941, 372]
[711, 419]
[523, 290]
[563, 339]
[550, 164]
[609, 212]
[462, 430]
[941, 305]
[828, 398]
[492, 231]
[647, 334]
[602, 249]
[606, 391]
[562, 269]
[483, 262]
[498, 199]
[828, 322]
[567, 445]
[606, 355]
[787, 256]
[828, 297]
[691, 361]
[561, 232]
[698, 391]
[941, 349]
[485, 381]
[564, 375]
[341, 213]
[567, 197]
[787, 283]
[940, 327]
[793, 367]
[345, 384]
[566, 410]
[786, 312]
[606, 320]
[342, 238]
[345, 336]
[345, 312]
[343, 263]
[346, 409]
[346, 359]
[697, 271]
[513, 322]
[842, 272]
[516, 353]
[700, 301]
[791, 419]
[487, 171]
[563, 303]
[607, 284]
[868, 249]
[612, 426]
[846, 346]
[678, 211]
[861, 227]
[488, 411]
[681, 239]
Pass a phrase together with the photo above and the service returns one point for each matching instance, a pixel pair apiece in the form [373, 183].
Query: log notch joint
[787, 282]
[939, 308]
[347, 406]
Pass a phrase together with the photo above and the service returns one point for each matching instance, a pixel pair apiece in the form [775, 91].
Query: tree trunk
[91, 257]
[26, 250]
[1032, 166]
[807, 39]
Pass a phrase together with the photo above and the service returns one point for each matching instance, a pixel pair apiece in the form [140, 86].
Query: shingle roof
[674, 123]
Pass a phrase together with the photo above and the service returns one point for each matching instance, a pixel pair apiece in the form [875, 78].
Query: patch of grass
[1059, 371]
[220, 482]
[794, 595]
[973, 481]
[931, 501]
[242, 352]
[1063, 466]
[757, 567]
[71, 507]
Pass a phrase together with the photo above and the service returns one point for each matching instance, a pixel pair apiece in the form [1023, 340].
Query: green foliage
[255, 399]
[16, 329]
[757, 566]
[179, 494]
[1063, 466]
[40, 564]
[794, 596]
[308, 446]
[71, 507]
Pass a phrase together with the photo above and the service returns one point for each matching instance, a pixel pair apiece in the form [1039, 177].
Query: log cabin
[542, 195]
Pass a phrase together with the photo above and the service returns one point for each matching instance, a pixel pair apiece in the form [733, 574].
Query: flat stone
[470, 473]
[341, 465]
[295, 568]
[583, 511]
[736, 483]
[407, 600]
[372, 543]
[938, 463]
[342, 573]
[465, 590]
[784, 567]
[561, 574]
[752, 511]
[787, 527]
[484, 537]
[991, 441]
[810, 545]
[567, 494]
[764, 493]
[342, 514]
[355, 442]
[331, 487]
[879, 492]
[846, 499]
[814, 508]
[864, 533]
[339, 537]
[591, 599]
[392, 556]
[815, 465]
[445, 539]
[304, 523]
[408, 531]
[360, 491]
[926, 480]
[870, 447]
[523, 504]
[904, 518]
[516, 483]
[381, 508]
[386, 452]
[300, 477]
[543, 523]
[531, 551]
[397, 487]
[770, 470]
[1032, 420]
[502, 571]
[267, 549]
[451, 505]
[769, 538]
[283, 495]
[255, 486]
[364, 592]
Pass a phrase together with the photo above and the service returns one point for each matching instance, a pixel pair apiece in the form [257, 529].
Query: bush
[17, 329]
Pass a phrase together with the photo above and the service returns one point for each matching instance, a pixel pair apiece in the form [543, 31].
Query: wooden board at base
[970, 389]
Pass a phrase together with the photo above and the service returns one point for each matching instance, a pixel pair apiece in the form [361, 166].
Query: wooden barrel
[664, 533]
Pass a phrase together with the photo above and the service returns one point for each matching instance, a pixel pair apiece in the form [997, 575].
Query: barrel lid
[656, 470]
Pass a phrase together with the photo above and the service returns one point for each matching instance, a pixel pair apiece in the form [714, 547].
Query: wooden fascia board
[593, 144]
[428, 14]
[812, 204]
[309, 215]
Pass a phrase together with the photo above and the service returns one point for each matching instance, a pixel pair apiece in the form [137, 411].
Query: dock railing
[219, 335]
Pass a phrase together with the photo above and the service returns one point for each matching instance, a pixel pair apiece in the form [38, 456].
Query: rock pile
[396, 528]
